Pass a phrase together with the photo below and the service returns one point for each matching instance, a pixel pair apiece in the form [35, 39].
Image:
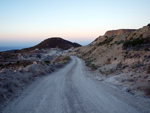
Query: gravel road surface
[72, 90]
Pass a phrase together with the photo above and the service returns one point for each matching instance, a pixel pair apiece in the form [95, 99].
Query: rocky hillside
[127, 46]
[121, 51]
[54, 42]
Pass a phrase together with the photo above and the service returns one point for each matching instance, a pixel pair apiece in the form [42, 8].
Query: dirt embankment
[125, 53]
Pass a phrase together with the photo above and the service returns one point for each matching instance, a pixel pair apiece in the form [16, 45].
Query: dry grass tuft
[1, 94]
[147, 90]
[148, 68]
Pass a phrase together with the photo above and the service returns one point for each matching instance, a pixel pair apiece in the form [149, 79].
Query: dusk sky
[28, 22]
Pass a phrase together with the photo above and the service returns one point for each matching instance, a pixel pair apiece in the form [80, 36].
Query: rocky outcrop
[111, 44]
[118, 32]
[148, 25]
[124, 54]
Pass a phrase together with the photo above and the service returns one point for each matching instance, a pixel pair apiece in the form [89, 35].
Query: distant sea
[6, 48]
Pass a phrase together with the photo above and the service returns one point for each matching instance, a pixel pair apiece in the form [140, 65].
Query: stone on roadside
[100, 79]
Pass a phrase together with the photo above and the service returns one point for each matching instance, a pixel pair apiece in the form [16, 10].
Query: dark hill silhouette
[54, 42]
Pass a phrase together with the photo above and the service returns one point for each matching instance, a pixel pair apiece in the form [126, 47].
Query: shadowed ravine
[71, 90]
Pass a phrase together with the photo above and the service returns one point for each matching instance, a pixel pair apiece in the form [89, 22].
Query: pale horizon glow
[28, 22]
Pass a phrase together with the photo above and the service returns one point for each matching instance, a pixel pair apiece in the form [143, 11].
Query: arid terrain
[121, 57]
[18, 69]
[111, 74]
[73, 90]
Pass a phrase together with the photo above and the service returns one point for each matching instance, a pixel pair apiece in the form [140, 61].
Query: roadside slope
[123, 52]
[71, 90]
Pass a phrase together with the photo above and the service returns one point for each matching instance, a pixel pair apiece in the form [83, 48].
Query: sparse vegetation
[89, 64]
[47, 62]
[18, 80]
[136, 43]
[119, 65]
[119, 42]
[148, 68]
[111, 71]
[38, 56]
[130, 48]
[123, 67]
[107, 72]
[102, 72]
[130, 80]
[108, 61]
[61, 59]
[16, 64]
[147, 90]
[134, 34]
[106, 41]
[84, 54]
[66, 58]
[1, 95]
[7, 55]
[133, 66]
[90, 51]
[93, 67]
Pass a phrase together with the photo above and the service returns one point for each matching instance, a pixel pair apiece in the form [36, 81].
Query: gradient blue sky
[28, 22]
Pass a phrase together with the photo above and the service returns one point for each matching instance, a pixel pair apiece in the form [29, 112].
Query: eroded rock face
[148, 25]
[118, 32]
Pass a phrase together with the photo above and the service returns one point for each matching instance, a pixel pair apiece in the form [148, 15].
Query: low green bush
[106, 41]
[93, 67]
[101, 71]
[66, 58]
[135, 43]
[47, 62]
[111, 71]
[88, 64]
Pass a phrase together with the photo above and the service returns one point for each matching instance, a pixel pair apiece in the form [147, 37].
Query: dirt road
[71, 90]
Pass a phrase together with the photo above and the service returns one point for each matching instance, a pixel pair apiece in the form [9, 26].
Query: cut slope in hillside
[54, 42]
[118, 32]
[117, 46]
[121, 51]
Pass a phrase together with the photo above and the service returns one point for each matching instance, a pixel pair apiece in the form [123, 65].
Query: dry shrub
[25, 78]
[12, 86]
[41, 72]
[148, 68]
[130, 80]
[1, 95]
[16, 83]
[133, 66]
[147, 90]
[108, 61]
[8, 86]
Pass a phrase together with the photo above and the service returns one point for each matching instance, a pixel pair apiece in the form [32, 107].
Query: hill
[54, 42]
[123, 55]
[117, 46]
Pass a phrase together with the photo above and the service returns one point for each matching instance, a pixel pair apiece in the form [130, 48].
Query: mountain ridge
[54, 42]
[118, 32]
